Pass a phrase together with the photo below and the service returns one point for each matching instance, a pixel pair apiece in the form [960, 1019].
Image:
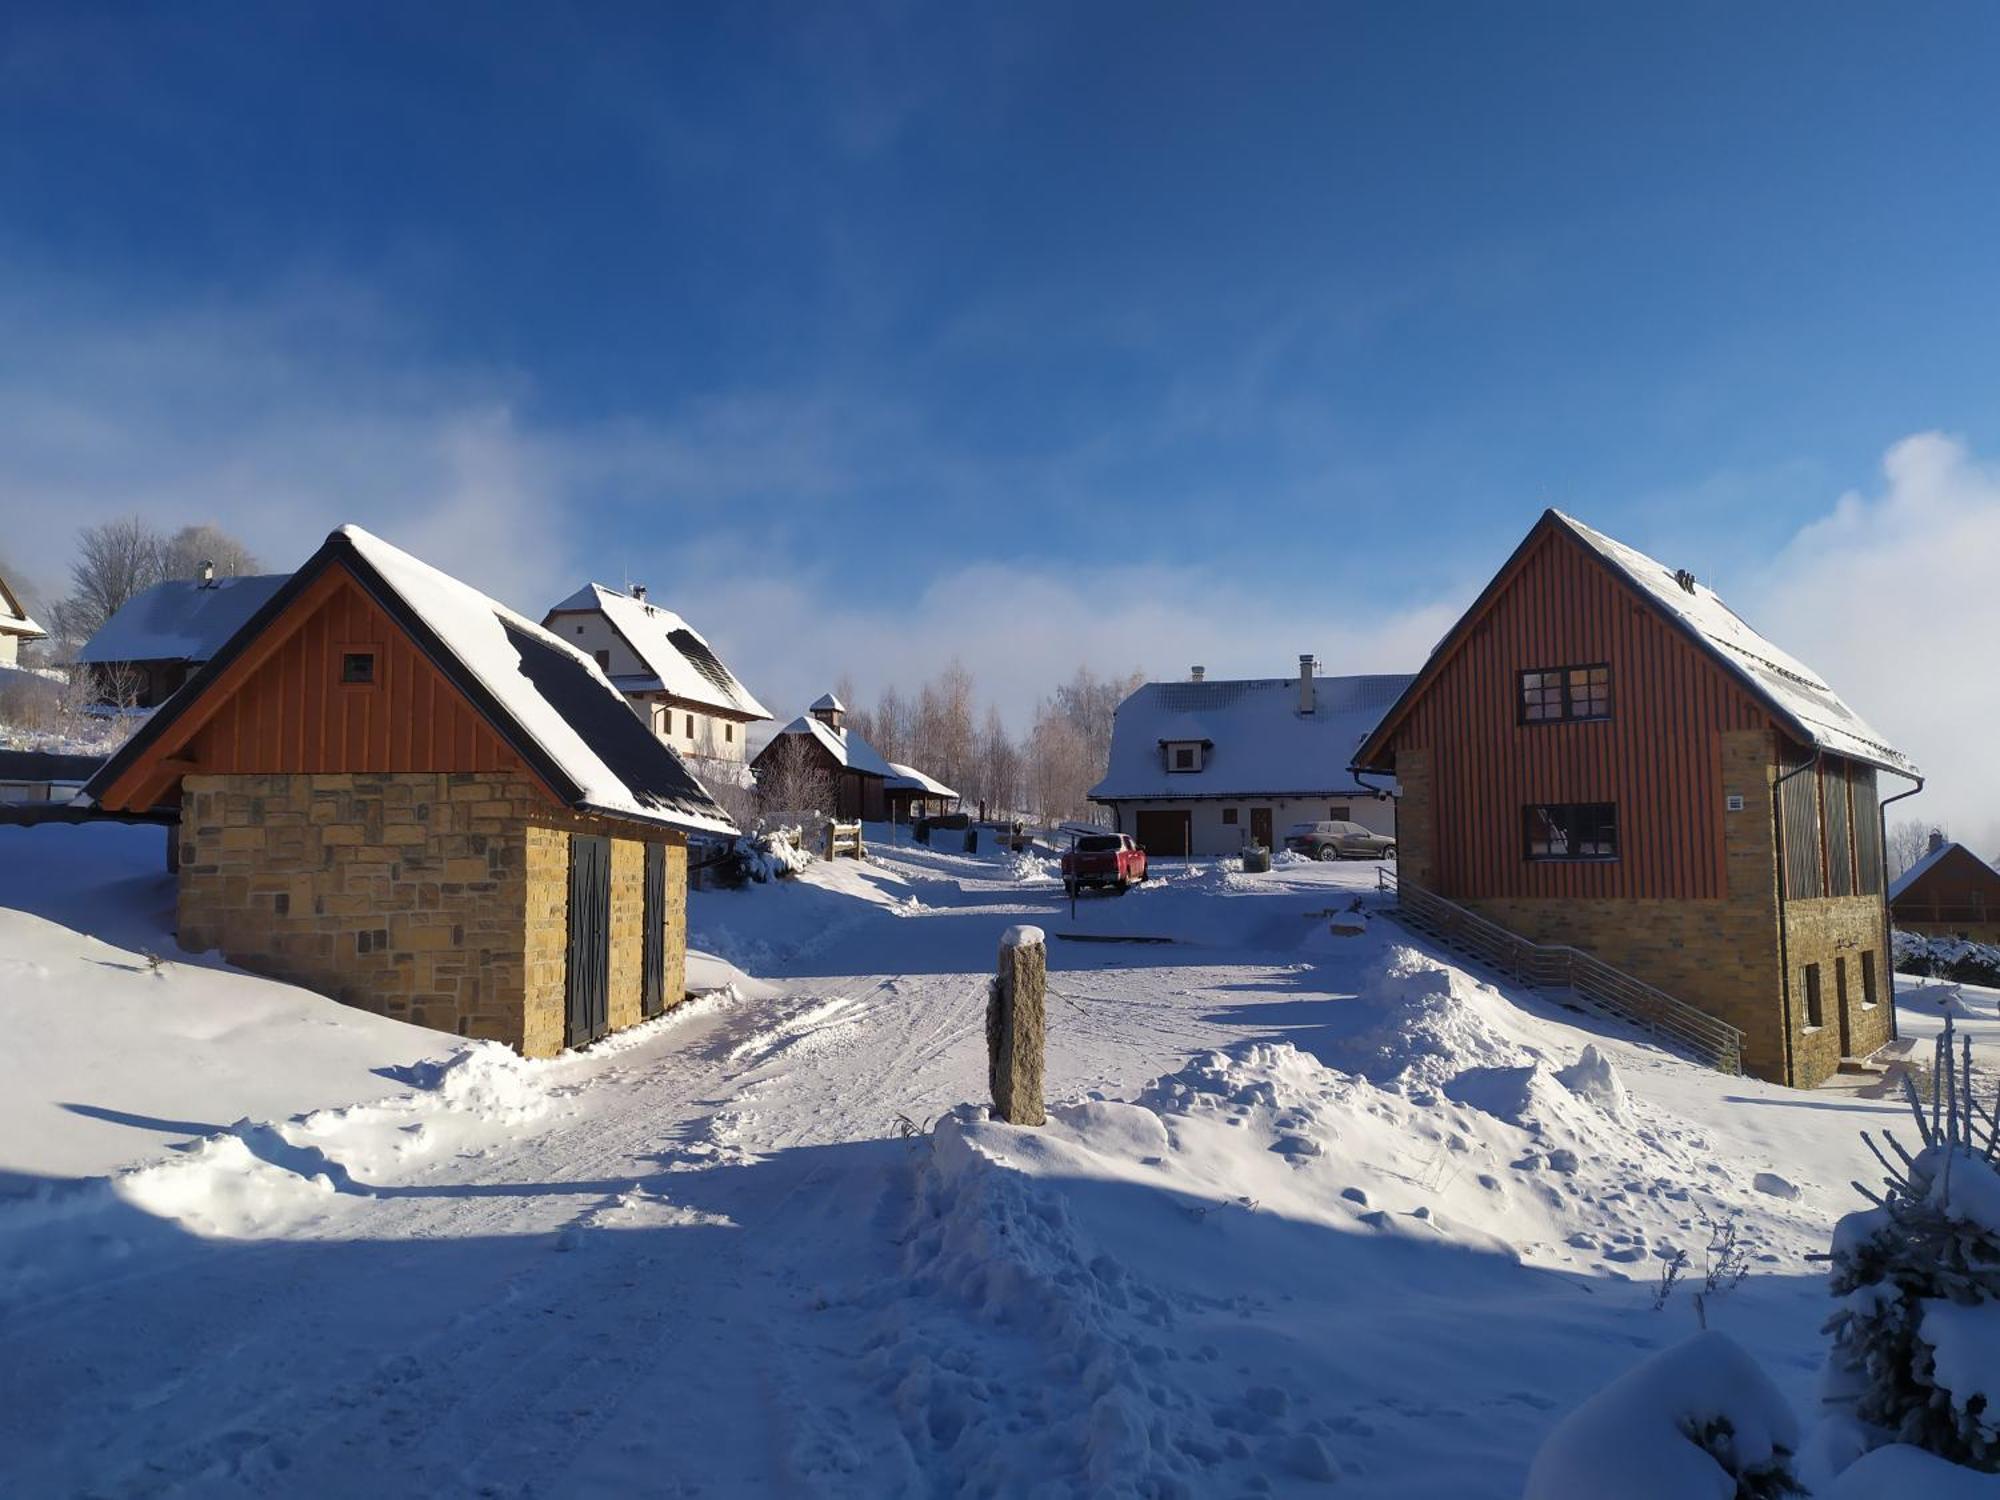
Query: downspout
[1784, 941]
[1888, 922]
[1395, 809]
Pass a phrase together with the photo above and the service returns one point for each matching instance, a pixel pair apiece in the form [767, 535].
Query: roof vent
[1196, 674]
[1685, 579]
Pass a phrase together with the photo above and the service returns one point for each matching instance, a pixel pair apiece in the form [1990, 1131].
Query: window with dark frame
[1555, 695]
[729, 733]
[1815, 1007]
[1229, 815]
[1868, 980]
[1183, 757]
[357, 668]
[690, 724]
[1340, 812]
[1570, 830]
[603, 660]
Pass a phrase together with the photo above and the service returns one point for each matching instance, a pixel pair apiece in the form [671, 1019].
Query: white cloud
[1895, 599]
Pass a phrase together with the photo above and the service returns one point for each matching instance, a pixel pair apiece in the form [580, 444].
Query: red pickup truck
[1103, 859]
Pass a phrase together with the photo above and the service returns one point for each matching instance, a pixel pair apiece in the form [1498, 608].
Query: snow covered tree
[1917, 1278]
[183, 553]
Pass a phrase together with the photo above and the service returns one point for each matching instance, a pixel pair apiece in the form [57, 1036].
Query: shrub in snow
[1948, 958]
[1695, 1421]
[1916, 1332]
[770, 855]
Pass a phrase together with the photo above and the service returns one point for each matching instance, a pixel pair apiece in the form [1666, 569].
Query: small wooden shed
[1950, 892]
[396, 791]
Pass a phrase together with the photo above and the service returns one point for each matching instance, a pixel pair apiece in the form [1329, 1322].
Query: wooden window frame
[373, 656]
[1569, 715]
[1177, 749]
[1229, 815]
[1563, 815]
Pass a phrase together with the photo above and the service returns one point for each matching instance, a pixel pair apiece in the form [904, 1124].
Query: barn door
[652, 994]
[589, 979]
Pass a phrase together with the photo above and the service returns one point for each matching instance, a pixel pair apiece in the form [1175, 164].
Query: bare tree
[795, 786]
[114, 561]
[1061, 767]
[1908, 842]
[890, 726]
[182, 554]
[998, 782]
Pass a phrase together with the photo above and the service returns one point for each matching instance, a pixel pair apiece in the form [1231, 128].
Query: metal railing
[1555, 967]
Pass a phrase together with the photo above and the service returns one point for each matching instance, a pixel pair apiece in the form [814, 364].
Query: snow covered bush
[1948, 958]
[1699, 1420]
[1916, 1330]
[774, 854]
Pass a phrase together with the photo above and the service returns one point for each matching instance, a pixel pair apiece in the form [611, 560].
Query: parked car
[1106, 860]
[1337, 840]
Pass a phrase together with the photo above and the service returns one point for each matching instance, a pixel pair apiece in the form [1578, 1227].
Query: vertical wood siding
[1658, 758]
[294, 714]
[1838, 816]
[1867, 832]
[1798, 809]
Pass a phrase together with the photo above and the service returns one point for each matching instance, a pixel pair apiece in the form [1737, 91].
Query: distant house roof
[846, 746]
[1260, 744]
[545, 699]
[1795, 695]
[180, 620]
[909, 779]
[14, 618]
[1931, 860]
[679, 660]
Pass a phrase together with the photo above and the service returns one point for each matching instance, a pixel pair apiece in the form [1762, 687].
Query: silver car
[1337, 840]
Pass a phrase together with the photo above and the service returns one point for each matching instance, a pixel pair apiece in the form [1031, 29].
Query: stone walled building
[1601, 754]
[395, 791]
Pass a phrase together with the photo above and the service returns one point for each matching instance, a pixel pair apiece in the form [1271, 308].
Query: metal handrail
[1559, 966]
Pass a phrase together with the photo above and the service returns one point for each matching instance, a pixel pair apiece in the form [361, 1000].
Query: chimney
[639, 592]
[1196, 674]
[207, 574]
[1307, 666]
[1937, 841]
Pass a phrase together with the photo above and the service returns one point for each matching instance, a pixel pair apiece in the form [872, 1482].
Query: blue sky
[889, 325]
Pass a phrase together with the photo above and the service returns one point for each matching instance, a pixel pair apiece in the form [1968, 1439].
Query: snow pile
[772, 854]
[1695, 1421]
[1030, 868]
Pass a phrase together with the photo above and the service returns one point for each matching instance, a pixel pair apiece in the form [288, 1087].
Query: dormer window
[1185, 755]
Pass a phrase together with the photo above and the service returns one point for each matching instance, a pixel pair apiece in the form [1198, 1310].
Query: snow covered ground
[1310, 1208]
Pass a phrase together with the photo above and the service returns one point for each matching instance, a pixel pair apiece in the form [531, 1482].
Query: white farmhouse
[668, 673]
[15, 627]
[1203, 767]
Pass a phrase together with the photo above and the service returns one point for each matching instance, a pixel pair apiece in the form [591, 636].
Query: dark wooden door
[1260, 826]
[1840, 999]
[1164, 835]
[588, 983]
[653, 987]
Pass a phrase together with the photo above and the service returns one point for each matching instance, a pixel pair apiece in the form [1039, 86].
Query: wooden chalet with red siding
[1601, 754]
[398, 792]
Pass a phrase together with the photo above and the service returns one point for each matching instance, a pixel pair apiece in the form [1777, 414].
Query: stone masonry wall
[442, 900]
[398, 894]
[1828, 932]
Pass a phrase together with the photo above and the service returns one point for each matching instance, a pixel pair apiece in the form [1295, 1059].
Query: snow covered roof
[546, 699]
[13, 618]
[1795, 695]
[1260, 744]
[1929, 862]
[827, 703]
[180, 620]
[681, 661]
[910, 779]
[1790, 688]
[846, 746]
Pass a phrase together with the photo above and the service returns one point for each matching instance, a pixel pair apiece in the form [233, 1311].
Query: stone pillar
[1015, 1027]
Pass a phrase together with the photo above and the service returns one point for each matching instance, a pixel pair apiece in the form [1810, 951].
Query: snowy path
[703, 1259]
